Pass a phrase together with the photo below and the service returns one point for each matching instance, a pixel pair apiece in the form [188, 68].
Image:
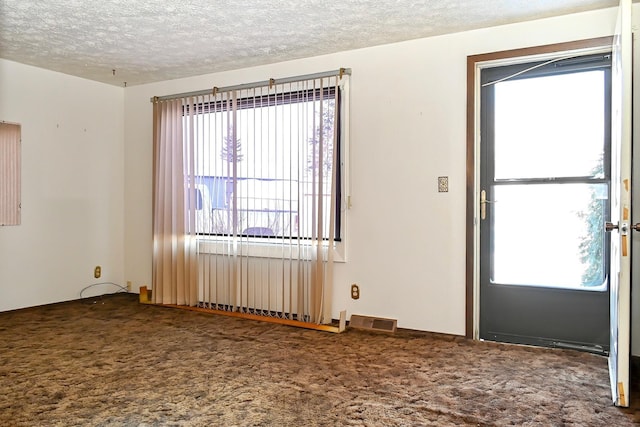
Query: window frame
[260, 243]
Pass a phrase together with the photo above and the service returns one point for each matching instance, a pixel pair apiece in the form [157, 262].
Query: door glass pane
[549, 235]
[541, 122]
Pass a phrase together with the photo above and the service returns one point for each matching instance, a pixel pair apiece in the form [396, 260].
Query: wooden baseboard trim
[145, 295]
[306, 325]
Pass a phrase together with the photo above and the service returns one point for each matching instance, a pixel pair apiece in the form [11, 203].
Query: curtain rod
[270, 82]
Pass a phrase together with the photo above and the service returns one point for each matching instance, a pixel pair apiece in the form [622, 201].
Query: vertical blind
[261, 173]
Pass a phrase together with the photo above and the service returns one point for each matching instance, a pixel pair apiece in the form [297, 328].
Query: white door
[619, 350]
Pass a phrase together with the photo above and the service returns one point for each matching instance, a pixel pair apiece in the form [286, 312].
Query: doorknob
[636, 226]
[624, 228]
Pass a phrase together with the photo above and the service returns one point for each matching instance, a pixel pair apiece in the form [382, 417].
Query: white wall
[406, 241]
[72, 186]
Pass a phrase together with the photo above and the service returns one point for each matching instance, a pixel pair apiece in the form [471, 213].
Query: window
[267, 161]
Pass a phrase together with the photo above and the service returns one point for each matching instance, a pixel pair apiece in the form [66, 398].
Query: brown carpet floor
[109, 361]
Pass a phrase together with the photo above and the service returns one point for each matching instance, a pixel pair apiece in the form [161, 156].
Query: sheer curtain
[174, 241]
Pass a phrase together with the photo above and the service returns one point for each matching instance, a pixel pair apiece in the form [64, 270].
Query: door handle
[483, 204]
[636, 227]
[624, 228]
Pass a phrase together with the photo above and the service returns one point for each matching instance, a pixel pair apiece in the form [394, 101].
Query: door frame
[474, 64]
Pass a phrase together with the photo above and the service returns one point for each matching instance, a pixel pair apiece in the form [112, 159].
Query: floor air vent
[373, 323]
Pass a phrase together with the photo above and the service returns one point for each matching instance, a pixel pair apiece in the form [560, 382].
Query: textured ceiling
[153, 40]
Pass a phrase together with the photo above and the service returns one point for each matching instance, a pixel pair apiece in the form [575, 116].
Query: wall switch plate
[443, 184]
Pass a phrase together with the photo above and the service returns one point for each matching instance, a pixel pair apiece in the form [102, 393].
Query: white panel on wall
[9, 173]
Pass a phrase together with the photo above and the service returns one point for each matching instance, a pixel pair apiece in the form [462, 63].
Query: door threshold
[546, 342]
[595, 349]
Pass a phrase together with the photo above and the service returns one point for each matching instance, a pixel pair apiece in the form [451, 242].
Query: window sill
[259, 248]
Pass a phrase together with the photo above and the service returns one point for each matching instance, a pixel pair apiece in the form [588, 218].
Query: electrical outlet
[128, 285]
[355, 291]
[97, 272]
